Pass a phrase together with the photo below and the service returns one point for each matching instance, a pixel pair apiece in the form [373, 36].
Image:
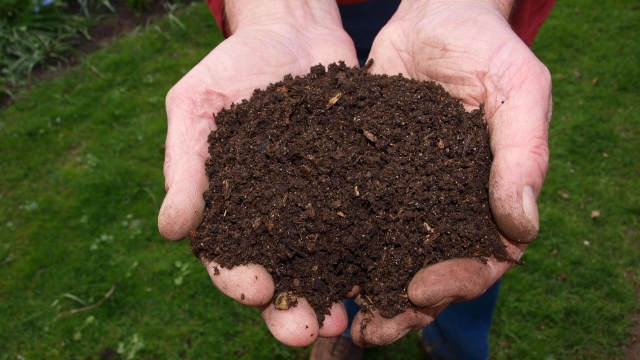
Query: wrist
[503, 7]
[302, 14]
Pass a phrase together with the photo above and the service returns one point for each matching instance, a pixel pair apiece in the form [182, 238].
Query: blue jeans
[461, 331]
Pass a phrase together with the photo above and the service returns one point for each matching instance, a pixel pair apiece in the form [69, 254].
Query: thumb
[518, 128]
[184, 168]
[183, 207]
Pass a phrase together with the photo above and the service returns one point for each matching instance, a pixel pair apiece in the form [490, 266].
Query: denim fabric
[352, 310]
[461, 331]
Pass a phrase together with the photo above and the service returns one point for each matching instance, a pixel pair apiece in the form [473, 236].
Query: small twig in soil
[285, 243]
[333, 101]
[357, 159]
[428, 239]
[466, 145]
[275, 267]
[369, 136]
[426, 261]
[71, 312]
[369, 299]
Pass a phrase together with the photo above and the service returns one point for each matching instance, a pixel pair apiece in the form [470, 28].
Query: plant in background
[171, 8]
[88, 7]
[42, 33]
[44, 3]
[35, 34]
[138, 6]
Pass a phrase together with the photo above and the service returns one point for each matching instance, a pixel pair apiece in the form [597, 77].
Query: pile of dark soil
[344, 178]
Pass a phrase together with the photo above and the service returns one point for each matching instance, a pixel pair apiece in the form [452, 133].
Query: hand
[270, 40]
[469, 48]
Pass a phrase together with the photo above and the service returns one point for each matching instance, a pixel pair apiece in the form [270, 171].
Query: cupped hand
[469, 48]
[285, 37]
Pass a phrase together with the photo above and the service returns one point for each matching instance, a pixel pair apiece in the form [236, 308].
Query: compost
[342, 178]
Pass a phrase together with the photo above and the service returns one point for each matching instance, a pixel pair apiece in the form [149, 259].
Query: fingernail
[445, 301]
[530, 207]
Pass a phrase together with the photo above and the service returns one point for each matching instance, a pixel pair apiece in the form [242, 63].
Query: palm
[230, 73]
[470, 58]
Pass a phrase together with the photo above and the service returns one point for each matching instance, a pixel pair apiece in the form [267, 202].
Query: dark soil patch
[344, 178]
[109, 28]
[123, 22]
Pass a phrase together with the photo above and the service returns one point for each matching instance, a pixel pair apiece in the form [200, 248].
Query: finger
[519, 143]
[183, 207]
[354, 292]
[248, 284]
[335, 323]
[184, 168]
[458, 280]
[296, 326]
[375, 330]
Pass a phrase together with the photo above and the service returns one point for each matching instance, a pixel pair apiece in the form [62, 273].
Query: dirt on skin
[343, 178]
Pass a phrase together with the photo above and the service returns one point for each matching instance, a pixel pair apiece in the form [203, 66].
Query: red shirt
[526, 18]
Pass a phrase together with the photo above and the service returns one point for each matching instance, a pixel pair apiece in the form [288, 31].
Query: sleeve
[217, 9]
[527, 17]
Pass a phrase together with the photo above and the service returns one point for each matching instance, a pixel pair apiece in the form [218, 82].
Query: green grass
[587, 315]
[81, 183]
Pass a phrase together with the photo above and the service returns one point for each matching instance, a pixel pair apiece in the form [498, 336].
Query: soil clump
[343, 178]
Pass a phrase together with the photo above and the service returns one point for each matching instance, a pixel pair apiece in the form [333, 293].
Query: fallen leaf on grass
[563, 194]
[562, 277]
[604, 154]
[595, 80]
[629, 275]
[595, 214]
[577, 73]
[554, 252]
[584, 202]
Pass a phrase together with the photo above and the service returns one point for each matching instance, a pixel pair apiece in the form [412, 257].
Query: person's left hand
[470, 49]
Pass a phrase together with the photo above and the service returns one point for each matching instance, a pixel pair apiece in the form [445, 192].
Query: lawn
[81, 183]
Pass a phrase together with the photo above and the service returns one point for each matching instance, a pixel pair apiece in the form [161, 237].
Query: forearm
[241, 14]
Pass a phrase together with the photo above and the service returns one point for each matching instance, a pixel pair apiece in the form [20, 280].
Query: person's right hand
[270, 40]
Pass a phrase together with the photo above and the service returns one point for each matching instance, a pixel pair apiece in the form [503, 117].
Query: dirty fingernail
[445, 301]
[530, 207]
